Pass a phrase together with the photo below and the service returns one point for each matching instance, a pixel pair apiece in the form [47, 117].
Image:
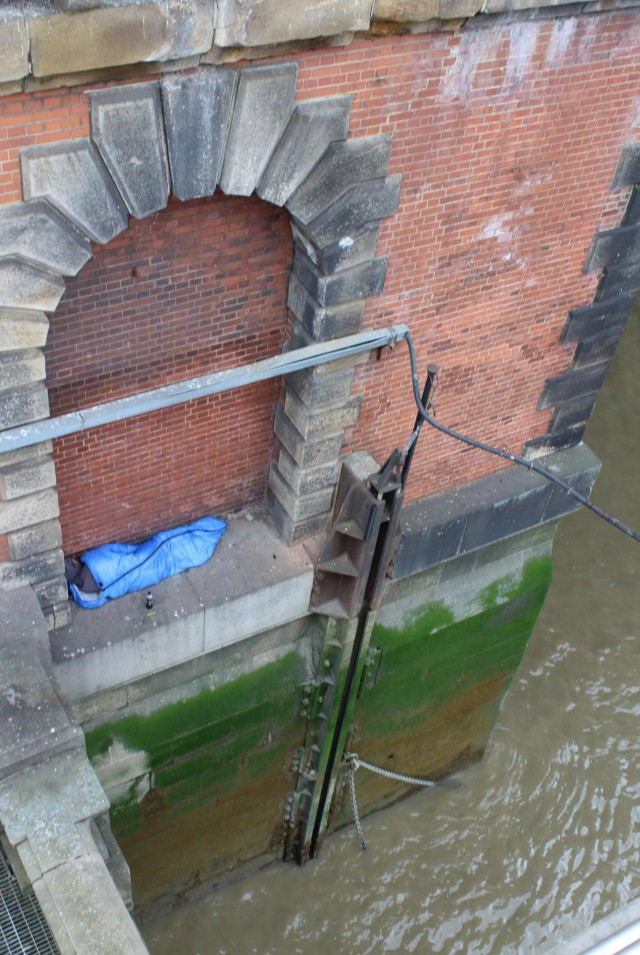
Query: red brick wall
[507, 138]
[199, 287]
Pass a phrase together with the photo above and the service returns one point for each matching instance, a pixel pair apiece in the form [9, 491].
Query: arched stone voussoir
[342, 165]
[38, 233]
[72, 176]
[23, 285]
[359, 205]
[128, 130]
[313, 125]
[263, 105]
[197, 113]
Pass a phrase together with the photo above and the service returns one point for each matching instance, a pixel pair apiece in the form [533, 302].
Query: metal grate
[23, 929]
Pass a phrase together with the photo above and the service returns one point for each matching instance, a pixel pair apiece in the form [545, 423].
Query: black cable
[514, 458]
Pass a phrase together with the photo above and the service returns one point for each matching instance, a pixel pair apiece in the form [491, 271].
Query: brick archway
[239, 130]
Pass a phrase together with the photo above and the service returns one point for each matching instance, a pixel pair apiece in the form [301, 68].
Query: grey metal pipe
[285, 364]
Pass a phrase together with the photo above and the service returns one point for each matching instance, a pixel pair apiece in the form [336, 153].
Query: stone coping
[253, 582]
[501, 505]
[55, 42]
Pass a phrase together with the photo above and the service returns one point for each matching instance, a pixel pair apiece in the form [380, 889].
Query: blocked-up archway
[241, 131]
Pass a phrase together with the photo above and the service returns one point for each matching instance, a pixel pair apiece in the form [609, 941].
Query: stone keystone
[312, 127]
[127, 128]
[197, 110]
[25, 286]
[73, 178]
[264, 103]
[35, 231]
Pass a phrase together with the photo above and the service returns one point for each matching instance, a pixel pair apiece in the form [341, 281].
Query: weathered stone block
[348, 251]
[21, 618]
[114, 35]
[306, 454]
[323, 324]
[307, 480]
[299, 507]
[21, 329]
[328, 420]
[25, 511]
[21, 405]
[35, 540]
[614, 247]
[294, 531]
[72, 6]
[522, 509]
[313, 389]
[312, 127]
[300, 338]
[628, 170]
[359, 281]
[197, 112]
[406, 11]
[76, 885]
[363, 203]
[35, 231]
[60, 615]
[606, 315]
[50, 593]
[73, 178]
[263, 105]
[343, 164]
[127, 128]
[27, 454]
[31, 570]
[579, 467]
[625, 278]
[573, 384]
[21, 368]
[25, 286]
[458, 9]
[16, 480]
[572, 414]
[254, 23]
[596, 350]
[33, 726]
[14, 48]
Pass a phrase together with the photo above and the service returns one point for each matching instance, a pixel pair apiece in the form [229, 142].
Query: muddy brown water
[544, 837]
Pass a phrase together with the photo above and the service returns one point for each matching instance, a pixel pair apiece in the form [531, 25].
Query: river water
[544, 837]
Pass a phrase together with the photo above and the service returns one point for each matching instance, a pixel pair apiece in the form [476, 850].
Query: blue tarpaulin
[121, 568]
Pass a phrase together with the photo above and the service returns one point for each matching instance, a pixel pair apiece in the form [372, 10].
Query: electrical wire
[507, 455]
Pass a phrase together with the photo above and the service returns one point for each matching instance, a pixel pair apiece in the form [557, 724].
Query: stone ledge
[86, 41]
[448, 525]
[33, 723]
[261, 22]
[14, 49]
[117, 35]
[253, 582]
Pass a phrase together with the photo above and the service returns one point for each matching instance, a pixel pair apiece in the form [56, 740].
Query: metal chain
[354, 804]
[353, 763]
[354, 760]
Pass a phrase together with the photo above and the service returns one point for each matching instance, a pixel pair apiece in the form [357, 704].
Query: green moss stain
[212, 714]
[434, 658]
